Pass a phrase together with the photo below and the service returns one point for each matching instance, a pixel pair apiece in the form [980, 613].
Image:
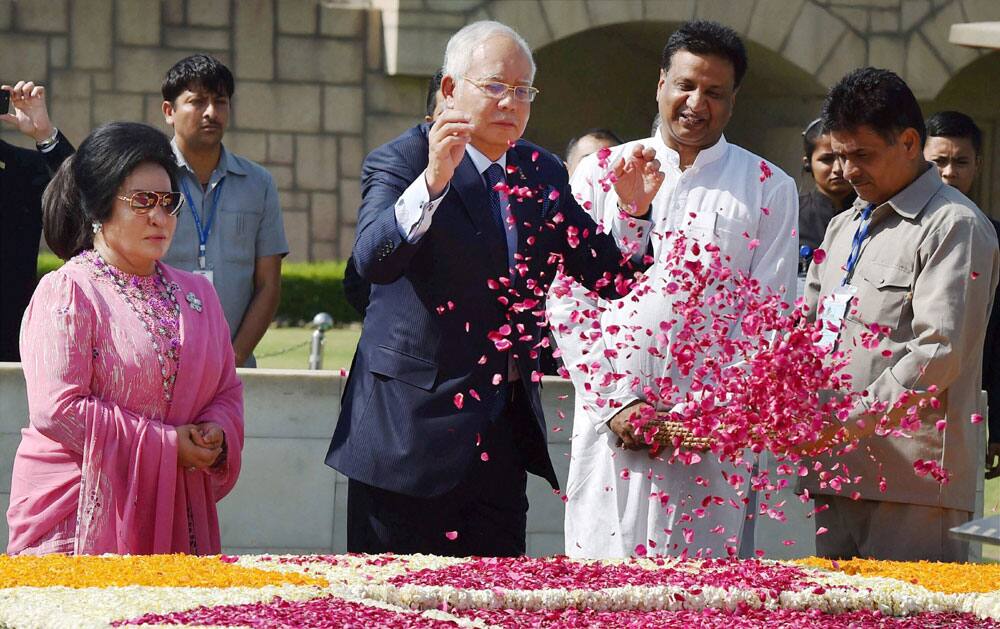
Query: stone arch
[617, 91]
[824, 40]
[801, 31]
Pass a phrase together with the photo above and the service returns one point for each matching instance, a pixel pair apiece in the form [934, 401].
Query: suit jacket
[402, 425]
[23, 178]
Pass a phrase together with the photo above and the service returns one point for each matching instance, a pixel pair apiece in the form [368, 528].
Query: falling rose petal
[941, 424]
[887, 353]
[485, 456]
[640, 550]
[818, 256]
[459, 400]
[788, 542]
[822, 530]
[766, 211]
[974, 275]
[553, 195]
[474, 394]
[534, 156]
[688, 536]
[451, 535]
[497, 379]
[976, 418]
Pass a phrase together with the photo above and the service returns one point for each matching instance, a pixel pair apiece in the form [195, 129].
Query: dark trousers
[487, 510]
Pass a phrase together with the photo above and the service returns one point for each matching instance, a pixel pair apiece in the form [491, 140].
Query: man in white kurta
[620, 499]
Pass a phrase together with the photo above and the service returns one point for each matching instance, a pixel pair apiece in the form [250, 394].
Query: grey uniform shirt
[247, 226]
[928, 271]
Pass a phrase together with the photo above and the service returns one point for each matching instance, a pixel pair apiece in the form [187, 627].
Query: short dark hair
[703, 37]
[955, 124]
[600, 134]
[810, 137]
[196, 71]
[433, 85]
[874, 97]
[84, 188]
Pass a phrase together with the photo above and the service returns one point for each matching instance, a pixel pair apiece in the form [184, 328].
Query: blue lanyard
[859, 238]
[203, 232]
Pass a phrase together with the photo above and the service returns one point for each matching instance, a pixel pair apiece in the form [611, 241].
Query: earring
[96, 226]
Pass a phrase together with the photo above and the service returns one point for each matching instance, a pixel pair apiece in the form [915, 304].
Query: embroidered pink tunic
[110, 370]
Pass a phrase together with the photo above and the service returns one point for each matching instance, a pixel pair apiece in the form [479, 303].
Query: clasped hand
[199, 445]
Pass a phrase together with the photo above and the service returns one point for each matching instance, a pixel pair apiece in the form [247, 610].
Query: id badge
[206, 273]
[835, 308]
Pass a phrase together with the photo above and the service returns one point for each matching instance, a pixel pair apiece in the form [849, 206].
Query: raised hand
[447, 139]
[30, 115]
[638, 178]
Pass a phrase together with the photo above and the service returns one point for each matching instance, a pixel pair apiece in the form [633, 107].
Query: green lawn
[338, 348]
[990, 507]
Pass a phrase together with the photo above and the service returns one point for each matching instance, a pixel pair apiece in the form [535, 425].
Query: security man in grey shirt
[231, 230]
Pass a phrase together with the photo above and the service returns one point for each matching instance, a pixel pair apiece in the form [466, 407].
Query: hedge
[306, 288]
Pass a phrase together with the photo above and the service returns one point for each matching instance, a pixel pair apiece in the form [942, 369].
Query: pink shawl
[100, 448]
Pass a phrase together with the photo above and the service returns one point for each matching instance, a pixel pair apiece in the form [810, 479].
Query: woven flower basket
[668, 430]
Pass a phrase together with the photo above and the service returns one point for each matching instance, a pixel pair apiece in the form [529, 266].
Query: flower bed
[427, 591]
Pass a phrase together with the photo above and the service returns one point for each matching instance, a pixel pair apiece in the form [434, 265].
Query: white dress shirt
[718, 199]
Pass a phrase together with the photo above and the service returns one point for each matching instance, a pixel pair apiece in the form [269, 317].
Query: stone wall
[319, 84]
[288, 501]
[311, 97]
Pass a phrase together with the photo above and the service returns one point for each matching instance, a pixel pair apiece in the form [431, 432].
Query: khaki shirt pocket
[885, 293]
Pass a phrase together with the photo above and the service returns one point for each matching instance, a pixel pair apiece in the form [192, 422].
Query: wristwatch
[50, 141]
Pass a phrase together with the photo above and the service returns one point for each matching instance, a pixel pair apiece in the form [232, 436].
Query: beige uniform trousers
[888, 530]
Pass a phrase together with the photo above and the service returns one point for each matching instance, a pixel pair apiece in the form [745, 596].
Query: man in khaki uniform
[919, 257]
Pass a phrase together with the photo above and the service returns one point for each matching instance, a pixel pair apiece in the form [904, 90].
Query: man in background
[587, 144]
[954, 144]
[231, 230]
[24, 174]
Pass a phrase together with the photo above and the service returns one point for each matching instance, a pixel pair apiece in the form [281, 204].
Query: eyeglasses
[497, 90]
[144, 201]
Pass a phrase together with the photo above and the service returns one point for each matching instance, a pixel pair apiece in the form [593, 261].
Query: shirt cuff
[48, 149]
[414, 209]
[631, 233]
[616, 401]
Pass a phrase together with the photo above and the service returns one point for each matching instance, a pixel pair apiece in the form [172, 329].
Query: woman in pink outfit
[136, 412]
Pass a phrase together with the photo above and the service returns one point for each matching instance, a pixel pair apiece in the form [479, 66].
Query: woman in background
[135, 408]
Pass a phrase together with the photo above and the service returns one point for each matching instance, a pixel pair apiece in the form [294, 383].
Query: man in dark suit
[441, 416]
[23, 176]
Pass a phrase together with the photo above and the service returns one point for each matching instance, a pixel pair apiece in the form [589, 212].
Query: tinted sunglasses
[144, 201]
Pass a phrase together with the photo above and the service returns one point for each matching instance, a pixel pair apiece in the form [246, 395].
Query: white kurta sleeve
[575, 313]
[775, 261]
